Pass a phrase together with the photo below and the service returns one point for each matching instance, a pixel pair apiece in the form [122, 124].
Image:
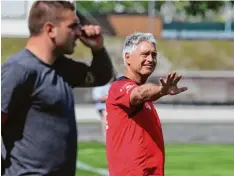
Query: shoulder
[22, 60]
[20, 57]
[122, 84]
[16, 70]
[17, 67]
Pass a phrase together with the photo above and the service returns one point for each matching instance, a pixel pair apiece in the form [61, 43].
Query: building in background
[14, 16]
[169, 20]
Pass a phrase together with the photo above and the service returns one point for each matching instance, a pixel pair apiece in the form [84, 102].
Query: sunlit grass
[181, 159]
[191, 54]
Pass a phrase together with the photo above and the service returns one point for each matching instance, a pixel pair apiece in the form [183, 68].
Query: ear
[50, 29]
[127, 56]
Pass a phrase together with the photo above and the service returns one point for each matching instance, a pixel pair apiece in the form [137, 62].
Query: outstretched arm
[152, 92]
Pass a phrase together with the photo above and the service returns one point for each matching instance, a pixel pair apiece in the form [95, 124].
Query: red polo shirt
[134, 143]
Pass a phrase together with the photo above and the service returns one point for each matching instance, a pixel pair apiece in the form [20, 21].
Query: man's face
[143, 60]
[68, 31]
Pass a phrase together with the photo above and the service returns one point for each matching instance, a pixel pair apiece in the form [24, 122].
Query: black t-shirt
[40, 135]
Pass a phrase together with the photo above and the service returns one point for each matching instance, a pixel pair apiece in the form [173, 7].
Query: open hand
[92, 36]
[169, 86]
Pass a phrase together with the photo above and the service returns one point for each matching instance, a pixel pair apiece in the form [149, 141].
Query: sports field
[181, 159]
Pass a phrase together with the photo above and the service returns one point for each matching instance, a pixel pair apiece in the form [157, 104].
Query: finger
[168, 78]
[172, 77]
[182, 89]
[97, 30]
[91, 30]
[162, 82]
[85, 31]
[177, 80]
[177, 91]
[88, 30]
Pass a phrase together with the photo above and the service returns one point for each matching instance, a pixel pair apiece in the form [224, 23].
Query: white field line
[83, 166]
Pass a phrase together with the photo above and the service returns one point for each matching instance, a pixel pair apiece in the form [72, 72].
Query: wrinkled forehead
[146, 46]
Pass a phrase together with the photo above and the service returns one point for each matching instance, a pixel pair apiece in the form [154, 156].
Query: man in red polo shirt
[134, 143]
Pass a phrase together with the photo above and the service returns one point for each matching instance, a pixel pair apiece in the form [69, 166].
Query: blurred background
[194, 38]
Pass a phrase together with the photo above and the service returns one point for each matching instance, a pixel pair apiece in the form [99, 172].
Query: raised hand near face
[92, 36]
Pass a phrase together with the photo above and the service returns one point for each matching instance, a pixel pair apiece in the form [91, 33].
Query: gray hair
[132, 40]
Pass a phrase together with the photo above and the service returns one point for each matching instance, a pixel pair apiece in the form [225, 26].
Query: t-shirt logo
[148, 106]
[127, 87]
[89, 80]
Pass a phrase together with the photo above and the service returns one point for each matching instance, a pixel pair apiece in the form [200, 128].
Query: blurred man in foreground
[38, 118]
[134, 143]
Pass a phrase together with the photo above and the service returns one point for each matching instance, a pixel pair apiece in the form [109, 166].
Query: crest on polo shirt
[148, 106]
[127, 87]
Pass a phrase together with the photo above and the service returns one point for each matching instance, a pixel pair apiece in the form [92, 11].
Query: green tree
[109, 6]
[199, 7]
[191, 7]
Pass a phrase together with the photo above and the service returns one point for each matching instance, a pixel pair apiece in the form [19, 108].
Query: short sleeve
[13, 76]
[122, 91]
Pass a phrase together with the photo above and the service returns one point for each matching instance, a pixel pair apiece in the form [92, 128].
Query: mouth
[149, 66]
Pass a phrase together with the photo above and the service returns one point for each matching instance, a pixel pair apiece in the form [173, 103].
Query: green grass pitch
[181, 159]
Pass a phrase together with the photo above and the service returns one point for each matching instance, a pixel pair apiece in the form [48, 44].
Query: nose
[151, 58]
